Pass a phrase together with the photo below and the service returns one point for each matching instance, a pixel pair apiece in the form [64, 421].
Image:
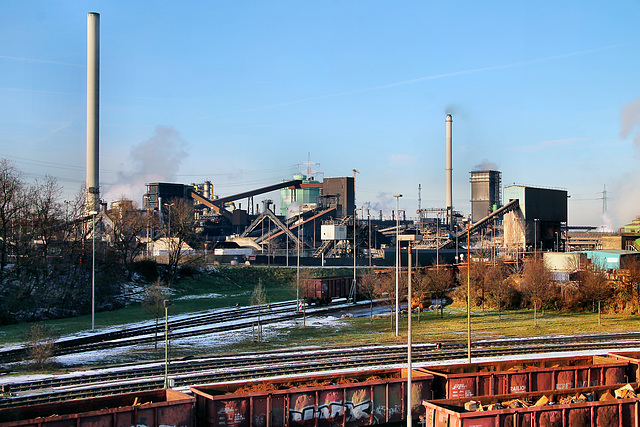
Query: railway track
[182, 327]
[240, 367]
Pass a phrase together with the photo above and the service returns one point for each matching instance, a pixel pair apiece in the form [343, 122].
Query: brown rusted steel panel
[618, 412]
[350, 400]
[150, 408]
[519, 376]
[633, 358]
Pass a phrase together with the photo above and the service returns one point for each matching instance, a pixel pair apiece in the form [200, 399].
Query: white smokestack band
[449, 171]
[93, 111]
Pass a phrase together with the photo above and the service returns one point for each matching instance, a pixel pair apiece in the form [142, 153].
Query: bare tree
[479, 280]
[179, 230]
[153, 303]
[259, 299]
[40, 341]
[632, 267]
[367, 289]
[537, 284]
[129, 223]
[386, 291]
[440, 282]
[11, 202]
[498, 284]
[422, 291]
[595, 287]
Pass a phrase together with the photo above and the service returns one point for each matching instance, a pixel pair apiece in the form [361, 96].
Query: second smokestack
[449, 171]
[93, 112]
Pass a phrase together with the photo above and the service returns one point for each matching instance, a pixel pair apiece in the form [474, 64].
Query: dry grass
[453, 327]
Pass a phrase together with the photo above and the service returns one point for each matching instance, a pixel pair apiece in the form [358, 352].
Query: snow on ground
[131, 353]
[212, 296]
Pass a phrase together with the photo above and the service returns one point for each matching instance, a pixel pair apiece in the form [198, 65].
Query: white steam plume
[155, 160]
[627, 208]
[486, 165]
[630, 119]
[384, 203]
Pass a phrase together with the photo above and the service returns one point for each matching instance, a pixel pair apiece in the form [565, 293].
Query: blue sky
[240, 92]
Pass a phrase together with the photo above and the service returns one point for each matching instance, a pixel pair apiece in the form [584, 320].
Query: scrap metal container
[520, 376]
[612, 412]
[149, 408]
[347, 399]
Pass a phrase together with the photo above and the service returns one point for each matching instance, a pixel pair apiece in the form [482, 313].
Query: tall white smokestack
[93, 111]
[449, 171]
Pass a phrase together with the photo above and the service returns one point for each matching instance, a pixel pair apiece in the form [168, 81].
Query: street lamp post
[166, 303]
[93, 271]
[438, 241]
[409, 403]
[298, 267]
[397, 196]
[369, 227]
[535, 237]
[355, 252]
[469, 289]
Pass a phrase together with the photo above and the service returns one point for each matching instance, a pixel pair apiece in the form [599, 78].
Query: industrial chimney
[93, 112]
[449, 171]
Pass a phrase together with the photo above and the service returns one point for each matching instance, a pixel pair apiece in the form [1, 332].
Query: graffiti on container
[380, 413]
[332, 407]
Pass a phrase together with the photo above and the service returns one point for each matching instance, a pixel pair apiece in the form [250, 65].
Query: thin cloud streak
[41, 61]
[427, 78]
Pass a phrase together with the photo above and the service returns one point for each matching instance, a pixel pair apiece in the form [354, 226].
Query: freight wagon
[355, 398]
[321, 290]
[351, 399]
[149, 408]
[591, 406]
[519, 376]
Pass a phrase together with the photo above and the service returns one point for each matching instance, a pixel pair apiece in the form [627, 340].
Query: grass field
[451, 327]
[233, 285]
[225, 287]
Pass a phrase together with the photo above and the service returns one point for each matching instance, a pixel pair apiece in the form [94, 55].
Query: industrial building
[611, 259]
[305, 197]
[533, 218]
[486, 193]
[537, 223]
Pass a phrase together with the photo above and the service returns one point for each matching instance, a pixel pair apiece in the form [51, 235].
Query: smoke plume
[630, 121]
[155, 160]
[385, 203]
[486, 165]
[625, 209]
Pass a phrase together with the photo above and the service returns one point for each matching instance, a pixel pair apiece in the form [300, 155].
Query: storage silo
[486, 189]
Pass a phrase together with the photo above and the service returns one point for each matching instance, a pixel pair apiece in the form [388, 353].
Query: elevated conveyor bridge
[511, 206]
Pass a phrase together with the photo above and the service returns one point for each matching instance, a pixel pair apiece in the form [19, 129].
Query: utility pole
[409, 403]
[167, 303]
[397, 196]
